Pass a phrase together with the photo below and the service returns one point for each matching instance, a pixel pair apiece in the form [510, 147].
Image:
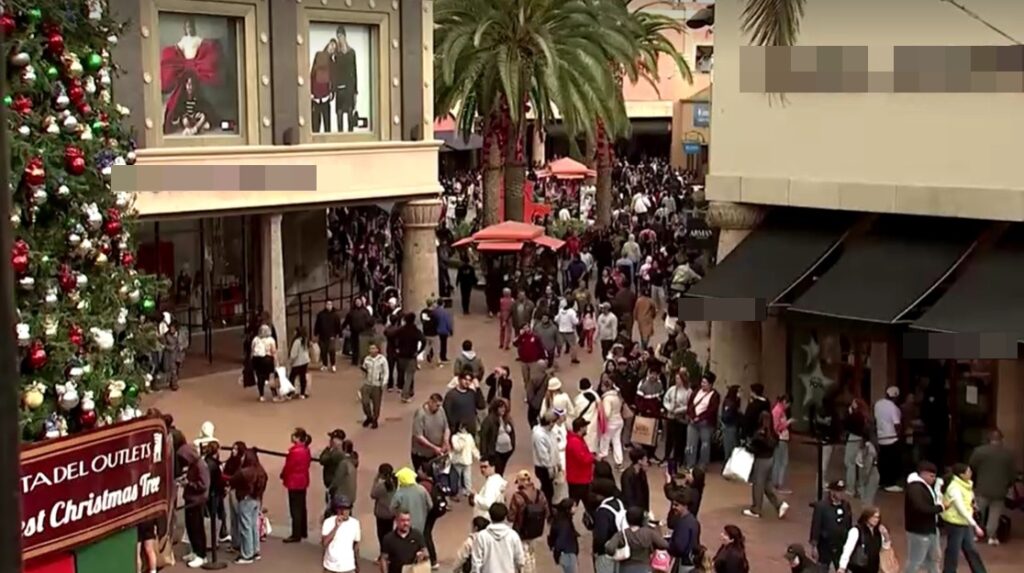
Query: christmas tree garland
[85, 331]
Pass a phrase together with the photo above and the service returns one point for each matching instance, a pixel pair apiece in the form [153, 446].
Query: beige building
[339, 87]
[879, 199]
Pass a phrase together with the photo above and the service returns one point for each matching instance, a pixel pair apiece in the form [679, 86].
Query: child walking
[464, 455]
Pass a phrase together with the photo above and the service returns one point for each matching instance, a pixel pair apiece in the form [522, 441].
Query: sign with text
[691, 147]
[702, 115]
[77, 489]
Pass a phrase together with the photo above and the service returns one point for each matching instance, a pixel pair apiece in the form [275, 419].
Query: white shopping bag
[285, 387]
[739, 466]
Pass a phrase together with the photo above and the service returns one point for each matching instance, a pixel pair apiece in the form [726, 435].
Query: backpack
[620, 514]
[439, 499]
[532, 518]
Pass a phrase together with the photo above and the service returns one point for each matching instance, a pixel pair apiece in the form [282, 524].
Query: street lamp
[704, 18]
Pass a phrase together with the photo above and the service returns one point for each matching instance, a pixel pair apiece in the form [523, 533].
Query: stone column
[272, 255]
[538, 157]
[419, 252]
[735, 346]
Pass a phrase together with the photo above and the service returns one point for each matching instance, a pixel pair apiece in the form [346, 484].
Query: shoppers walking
[409, 342]
[430, 432]
[731, 417]
[326, 332]
[249, 484]
[641, 539]
[579, 462]
[995, 471]
[445, 330]
[402, 547]
[610, 417]
[295, 478]
[922, 505]
[340, 538]
[762, 445]
[545, 454]
[383, 493]
[780, 462]
[412, 500]
[889, 429]
[676, 403]
[375, 379]
[499, 548]
[195, 493]
[864, 542]
[298, 361]
[264, 358]
[563, 539]
[960, 525]
[856, 426]
[831, 520]
[492, 492]
[497, 436]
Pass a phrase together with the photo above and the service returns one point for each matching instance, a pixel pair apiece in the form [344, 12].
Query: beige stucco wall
[939, 154]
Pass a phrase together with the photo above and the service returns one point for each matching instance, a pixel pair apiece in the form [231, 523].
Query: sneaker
[195, 563]
[783, 491]
[258, 557]
[894, 489]
[434, 567]
[366, 423]
[373, 425]
[783, 509]
[189, 557]
[334, 368]
[993, 541]
[243, 561]
[262, 399]
[749, 513]
[224, 539]
[290, 540]
[323, 369]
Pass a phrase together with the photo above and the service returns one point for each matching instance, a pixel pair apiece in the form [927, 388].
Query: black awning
[988, 297]
[455, 142]
[884, 273]
[787, 245]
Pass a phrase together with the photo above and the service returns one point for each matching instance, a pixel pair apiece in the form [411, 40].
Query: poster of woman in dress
[340, 88]
[199, 72]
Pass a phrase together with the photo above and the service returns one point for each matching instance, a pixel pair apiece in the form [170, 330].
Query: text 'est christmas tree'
[84, 331]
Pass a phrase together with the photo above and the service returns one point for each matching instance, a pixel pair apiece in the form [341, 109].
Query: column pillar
[272, 255]
[735, 346]
[419, 252]
[539, 154]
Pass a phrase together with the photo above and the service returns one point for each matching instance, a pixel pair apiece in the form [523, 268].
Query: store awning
[550, 242]
[887, 271]
[787, 246]
[503, 246]
[988, 297]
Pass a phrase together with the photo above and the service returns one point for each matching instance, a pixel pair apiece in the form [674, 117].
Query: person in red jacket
[579, 462]
[295, 477]
[529, 350]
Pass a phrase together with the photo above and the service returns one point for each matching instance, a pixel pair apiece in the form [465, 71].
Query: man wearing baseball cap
[341, 535]
[830, 522]
[798, 560]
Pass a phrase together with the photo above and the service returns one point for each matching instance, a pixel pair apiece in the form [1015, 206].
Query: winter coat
[498, 549]
[295, 473]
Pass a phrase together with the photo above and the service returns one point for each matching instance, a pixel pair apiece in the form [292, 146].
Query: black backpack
[440, 500]
[532, 518]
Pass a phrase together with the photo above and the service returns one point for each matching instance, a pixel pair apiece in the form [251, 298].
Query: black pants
[297, 509]
[532, 415]
[215, 508]
[321, 117]
[890, 462]
[393, 371]
[195, 530]
[675, 441]
[420, 461]
[606, 347]
[384, 527]
[466, 294]
[502, 462]
[355, 348]
[428, 536]
[829, 555]
[579, 492]
[298, 377]
[443, 344]
[345, 104]
[329, 353]
[547, 482]
[263, 367]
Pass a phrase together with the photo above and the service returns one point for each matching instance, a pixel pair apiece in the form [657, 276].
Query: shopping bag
[314, 353]
[264, 526]
[421, 567]
[888, 562]
[284, 386]
[739, 466]
[645, 431]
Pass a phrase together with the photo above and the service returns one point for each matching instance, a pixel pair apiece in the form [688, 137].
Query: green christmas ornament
[51, 72]
[97, 125]
[35, 15]
[132, 392]
[8, 100]
[93, 62]
[148, 305]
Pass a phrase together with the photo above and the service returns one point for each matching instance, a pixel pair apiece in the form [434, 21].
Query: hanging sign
[691, 147]
[84, 487]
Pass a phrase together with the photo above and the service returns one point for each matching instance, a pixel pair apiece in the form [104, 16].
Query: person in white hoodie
[464, 453]
[586, 404]
[375, 367]
[545, 454]
[493, 490]
[612, 422]
[498, 548]
[607, 329]
[567, 320]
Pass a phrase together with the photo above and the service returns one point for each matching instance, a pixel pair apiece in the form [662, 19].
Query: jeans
[605, 564]
[248, 527]
[568, 562]
[780, 462]
[960, 538]
[462, 479]
[826, 461]
[867, 485]
[698, 439]
[761, 485]
[994, 509]
[430, 349]
[329, 352]
[922, 551]
[853, 444]
[730, 438]
[407, 377]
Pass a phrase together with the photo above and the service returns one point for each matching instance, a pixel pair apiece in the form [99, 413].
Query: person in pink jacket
[295, 477]
[782, 420]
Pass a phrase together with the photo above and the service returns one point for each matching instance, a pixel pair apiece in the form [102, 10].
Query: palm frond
[772, 22]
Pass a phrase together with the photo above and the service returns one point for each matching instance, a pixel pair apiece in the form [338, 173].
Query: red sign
[80, 488]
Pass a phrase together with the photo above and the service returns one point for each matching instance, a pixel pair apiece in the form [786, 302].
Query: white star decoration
[811, 349]
[815, 383]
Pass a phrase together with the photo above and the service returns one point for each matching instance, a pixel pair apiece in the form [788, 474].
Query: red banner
[77, 489]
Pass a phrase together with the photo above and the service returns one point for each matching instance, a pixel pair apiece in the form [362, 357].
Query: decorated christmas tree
[84, 327]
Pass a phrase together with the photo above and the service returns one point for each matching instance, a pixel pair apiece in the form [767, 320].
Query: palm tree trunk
[492, 175]
[515, 174]
[604, 178]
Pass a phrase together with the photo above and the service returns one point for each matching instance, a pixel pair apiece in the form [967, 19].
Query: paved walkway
[238, 416]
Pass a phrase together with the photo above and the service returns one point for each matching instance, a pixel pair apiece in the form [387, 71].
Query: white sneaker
[334, 368]
[749, 513]
[783, 509]
[993, 541]
[188, 557]
[894, 489]
[323, 369]
[195, 563]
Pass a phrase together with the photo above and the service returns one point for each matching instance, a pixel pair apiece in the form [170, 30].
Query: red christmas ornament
[66, 278]
[87, 418]
[19, 257]
[8, 24]
[112, 227]
[84, 108]
[74, 160]
[76, 93]
[35, 174]
[22, 104]
[76, 335]
[127, 259]
[36, 355]
[55, 43]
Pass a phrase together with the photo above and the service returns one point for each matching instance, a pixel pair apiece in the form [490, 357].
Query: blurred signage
[691, 147]
[701, 115]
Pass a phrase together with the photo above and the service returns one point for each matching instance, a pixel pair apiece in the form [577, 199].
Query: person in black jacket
[359, 322]
[685, 538]
[609, 519]
[563, 539]
[762, 445]
[466, 281]
[409, 342]
[798, 560]
[635, 490]
[326, 331]
[732, 555]
[344, 80]
[922, 504]
[831, 519]
[757, 405]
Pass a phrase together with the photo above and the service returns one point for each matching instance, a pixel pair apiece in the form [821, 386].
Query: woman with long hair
[229, 469]
[382, 493]
[856, 424]
[762, 445]
[862, 552]
[249, 484]
[295, 477]
[498, 434]
[732, 555]
[299, 360]
[961, 527]
[731, 416]
[264, 357]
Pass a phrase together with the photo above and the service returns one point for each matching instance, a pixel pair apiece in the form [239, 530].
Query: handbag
[627, 412]
[859, 558]
[661, 561]
[314, 353]
[739, 466]
[622, 553]
[887, 560]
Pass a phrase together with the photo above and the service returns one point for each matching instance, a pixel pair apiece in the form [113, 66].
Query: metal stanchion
[213, 564]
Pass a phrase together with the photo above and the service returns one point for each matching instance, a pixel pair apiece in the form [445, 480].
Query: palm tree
[773, 22]
[497, 59]
[648, 36]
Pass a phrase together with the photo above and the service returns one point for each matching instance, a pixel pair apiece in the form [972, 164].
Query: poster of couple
[341, 78]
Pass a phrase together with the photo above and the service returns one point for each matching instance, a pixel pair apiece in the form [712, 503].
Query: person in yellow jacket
[961, 528]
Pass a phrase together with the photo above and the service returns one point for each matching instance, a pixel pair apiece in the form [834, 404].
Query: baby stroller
[439, 470]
